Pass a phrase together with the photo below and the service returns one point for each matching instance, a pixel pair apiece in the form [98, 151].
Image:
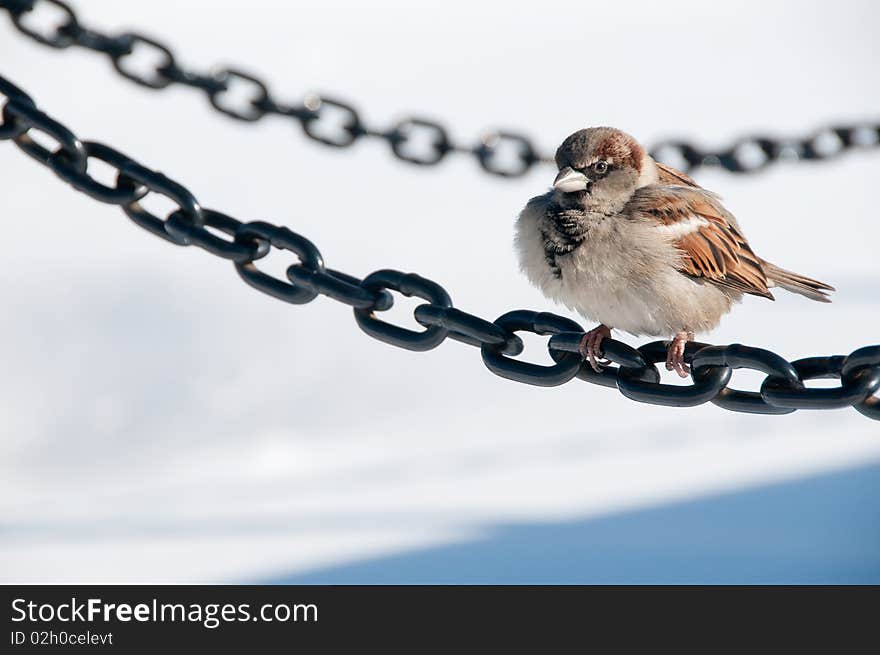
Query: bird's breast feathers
[619, 274]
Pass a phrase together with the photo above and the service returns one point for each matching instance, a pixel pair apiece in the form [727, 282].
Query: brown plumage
[711, 243]
[706, 258]
[669, 175]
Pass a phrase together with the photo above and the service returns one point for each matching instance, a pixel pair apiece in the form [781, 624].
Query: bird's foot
[591, 346]
[675, 354]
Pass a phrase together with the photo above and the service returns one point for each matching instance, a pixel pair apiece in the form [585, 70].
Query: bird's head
[600, 168]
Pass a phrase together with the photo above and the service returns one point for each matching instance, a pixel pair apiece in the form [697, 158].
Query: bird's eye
[600, 167]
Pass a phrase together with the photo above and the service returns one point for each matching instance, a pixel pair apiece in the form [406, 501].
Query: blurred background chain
[417, 140]
[245, 243]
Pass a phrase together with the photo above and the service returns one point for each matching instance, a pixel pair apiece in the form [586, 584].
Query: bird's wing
[670, 175]
[711, 243]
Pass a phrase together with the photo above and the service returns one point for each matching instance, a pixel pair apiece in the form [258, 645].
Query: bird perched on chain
[639, 246]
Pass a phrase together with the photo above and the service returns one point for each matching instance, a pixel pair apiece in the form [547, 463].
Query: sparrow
[638, 246]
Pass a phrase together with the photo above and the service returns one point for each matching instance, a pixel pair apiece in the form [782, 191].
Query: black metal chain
[636, 376]
[416, 140]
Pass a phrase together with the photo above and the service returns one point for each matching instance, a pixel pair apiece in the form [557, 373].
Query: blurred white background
[163, 422]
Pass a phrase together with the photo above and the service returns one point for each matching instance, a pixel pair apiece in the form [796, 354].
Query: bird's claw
[675, 354]
[590, 347]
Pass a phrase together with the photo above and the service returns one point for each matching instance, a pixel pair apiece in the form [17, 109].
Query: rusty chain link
[636, 376]
[417, 140]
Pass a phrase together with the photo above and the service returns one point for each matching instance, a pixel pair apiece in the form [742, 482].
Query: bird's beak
[569, 180]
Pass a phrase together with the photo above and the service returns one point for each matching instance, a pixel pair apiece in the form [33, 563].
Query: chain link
[336, 123]
[783, 390]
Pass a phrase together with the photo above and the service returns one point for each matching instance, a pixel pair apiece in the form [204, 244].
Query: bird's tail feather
[805, 286]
